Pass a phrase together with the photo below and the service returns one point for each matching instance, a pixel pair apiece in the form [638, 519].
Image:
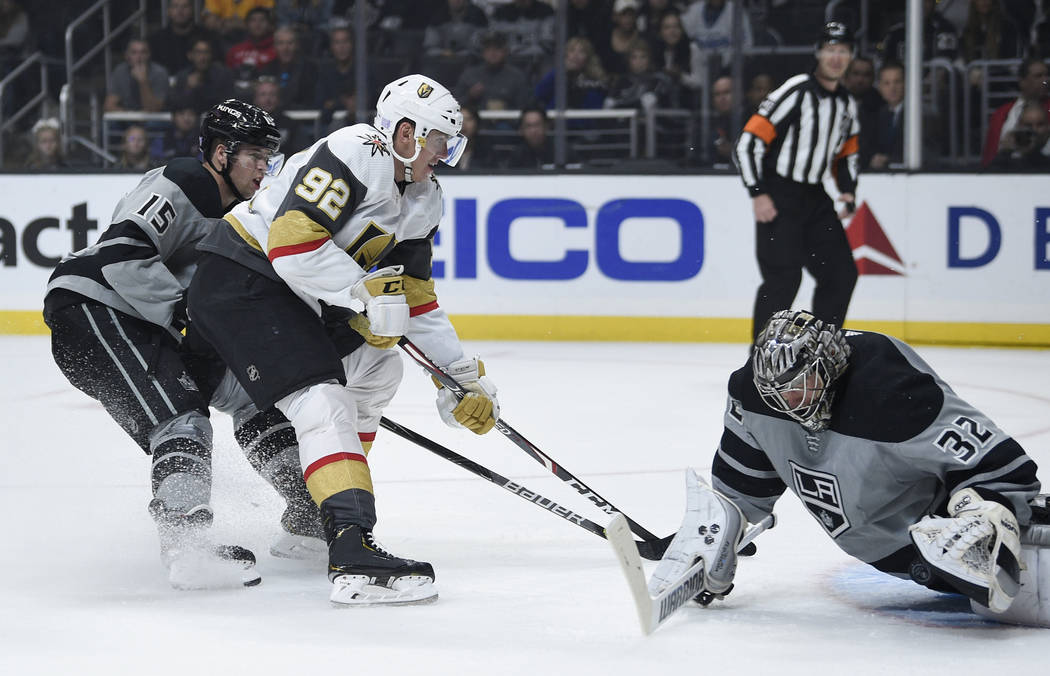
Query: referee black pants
[806, 234]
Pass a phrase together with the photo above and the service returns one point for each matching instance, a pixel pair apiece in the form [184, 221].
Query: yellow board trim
[666, 329]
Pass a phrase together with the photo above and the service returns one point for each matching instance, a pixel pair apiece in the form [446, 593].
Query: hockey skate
[193, 561]
[303, 536]
[364, 574]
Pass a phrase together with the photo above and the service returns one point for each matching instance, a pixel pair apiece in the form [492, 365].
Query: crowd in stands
[499, 55]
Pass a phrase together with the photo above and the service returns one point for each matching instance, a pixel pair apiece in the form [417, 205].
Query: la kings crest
[820, 494]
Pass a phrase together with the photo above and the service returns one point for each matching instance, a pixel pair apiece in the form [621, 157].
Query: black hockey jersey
[898, 444]
[143, 262]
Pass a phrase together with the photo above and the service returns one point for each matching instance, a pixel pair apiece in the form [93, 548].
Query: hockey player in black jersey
[116, 313]
[896, 468]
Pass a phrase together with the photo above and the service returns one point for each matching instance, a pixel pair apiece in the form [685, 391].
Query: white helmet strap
[407, 161]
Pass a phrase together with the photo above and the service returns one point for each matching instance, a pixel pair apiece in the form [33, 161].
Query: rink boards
[943, 258]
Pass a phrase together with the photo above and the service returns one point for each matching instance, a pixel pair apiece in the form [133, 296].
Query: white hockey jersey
[333, 213]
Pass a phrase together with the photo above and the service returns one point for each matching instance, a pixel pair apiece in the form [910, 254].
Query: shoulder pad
[366, 153]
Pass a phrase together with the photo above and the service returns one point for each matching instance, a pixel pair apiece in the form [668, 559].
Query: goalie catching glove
[478, 410]
[711, 529]
[976, 550]
[383, 294]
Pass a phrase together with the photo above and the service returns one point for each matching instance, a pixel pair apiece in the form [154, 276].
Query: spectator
[266, 94]
[454, 29]
[182, 138]
[334, 71]
[296, 75]
[308, 17]
[14, 30]
[493, 84]
[883, 143]
[709, 23]
[135, 149]
[229, 18]
[760, 87]
[613, 51]
[246, 59]
[138, 83]
[860, 81]
[170, 45]
[989, 34]
[477, 154]
[529, 27]
[47, 153]
[535, 149]
[587, 81]
[1032, 82]
[939, 39]
[348, 105]
[1027, 146]
[642, 87]
[723, 136]
[675, 55]
[591, 19]
[205, 83]
[651, 15]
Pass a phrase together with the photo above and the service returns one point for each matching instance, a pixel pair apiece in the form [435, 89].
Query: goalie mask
[796, 361]
[431, 108]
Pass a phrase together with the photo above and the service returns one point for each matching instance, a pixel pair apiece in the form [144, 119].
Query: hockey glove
[359, 323]
[977, 549]
[383, 293]
[479, 409]
[711, 529]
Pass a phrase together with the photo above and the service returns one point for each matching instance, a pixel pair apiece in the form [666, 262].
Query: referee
[802, 129]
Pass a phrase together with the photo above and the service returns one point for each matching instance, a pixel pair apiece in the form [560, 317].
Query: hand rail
[36, 57]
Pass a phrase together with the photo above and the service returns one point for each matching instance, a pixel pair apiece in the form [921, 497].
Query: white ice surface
[522, 591]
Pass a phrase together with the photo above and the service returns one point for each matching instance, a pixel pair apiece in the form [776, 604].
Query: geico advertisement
[929, 248]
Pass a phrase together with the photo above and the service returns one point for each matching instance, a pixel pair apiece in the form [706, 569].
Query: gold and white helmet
[430, 107]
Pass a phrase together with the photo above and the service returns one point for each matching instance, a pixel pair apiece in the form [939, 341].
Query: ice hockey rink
[522, 591]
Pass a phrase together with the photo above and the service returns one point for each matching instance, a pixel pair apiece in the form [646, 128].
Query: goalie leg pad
[711, 529]
[1031, 606]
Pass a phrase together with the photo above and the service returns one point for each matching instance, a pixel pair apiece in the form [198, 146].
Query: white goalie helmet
[796, 360]
[428, 105]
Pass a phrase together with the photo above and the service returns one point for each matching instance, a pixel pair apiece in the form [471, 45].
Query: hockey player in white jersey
[286, 296]
[116, 311]
[896, 468]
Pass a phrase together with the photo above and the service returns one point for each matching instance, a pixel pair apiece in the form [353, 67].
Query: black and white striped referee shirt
[800, 131]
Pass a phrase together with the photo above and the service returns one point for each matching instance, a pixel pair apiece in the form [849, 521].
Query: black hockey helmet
[835, 33]
[234, 122]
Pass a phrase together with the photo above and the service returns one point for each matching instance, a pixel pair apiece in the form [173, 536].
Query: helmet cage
[797, 353]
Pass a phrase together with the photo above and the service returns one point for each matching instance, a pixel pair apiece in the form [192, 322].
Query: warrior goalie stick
[652, 612]
[644, 549]
[657, 546]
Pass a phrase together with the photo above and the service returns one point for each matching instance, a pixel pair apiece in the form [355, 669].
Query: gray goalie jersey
[898, 444]
[143, 262]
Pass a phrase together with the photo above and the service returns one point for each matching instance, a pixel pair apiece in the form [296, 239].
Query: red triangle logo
[864, 231]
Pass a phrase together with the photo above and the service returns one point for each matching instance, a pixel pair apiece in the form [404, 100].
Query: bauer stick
[653, 611]
[645, 549]
[657, 545]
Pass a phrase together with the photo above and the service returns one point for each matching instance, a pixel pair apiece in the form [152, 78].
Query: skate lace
[371, 542]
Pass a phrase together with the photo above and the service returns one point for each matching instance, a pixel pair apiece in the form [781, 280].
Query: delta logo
[872, 250]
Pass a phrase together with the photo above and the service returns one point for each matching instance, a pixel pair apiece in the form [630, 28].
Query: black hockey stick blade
[652, 549]
[532, 450]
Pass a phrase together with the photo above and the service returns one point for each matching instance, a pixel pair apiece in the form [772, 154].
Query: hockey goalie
[898, 470]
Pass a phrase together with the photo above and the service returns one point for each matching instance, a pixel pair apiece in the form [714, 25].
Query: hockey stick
[652, 612]
[644, 549]
[655, 544]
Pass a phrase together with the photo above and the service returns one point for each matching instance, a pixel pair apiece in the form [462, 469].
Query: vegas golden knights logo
[424, 90]
[372, 244]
